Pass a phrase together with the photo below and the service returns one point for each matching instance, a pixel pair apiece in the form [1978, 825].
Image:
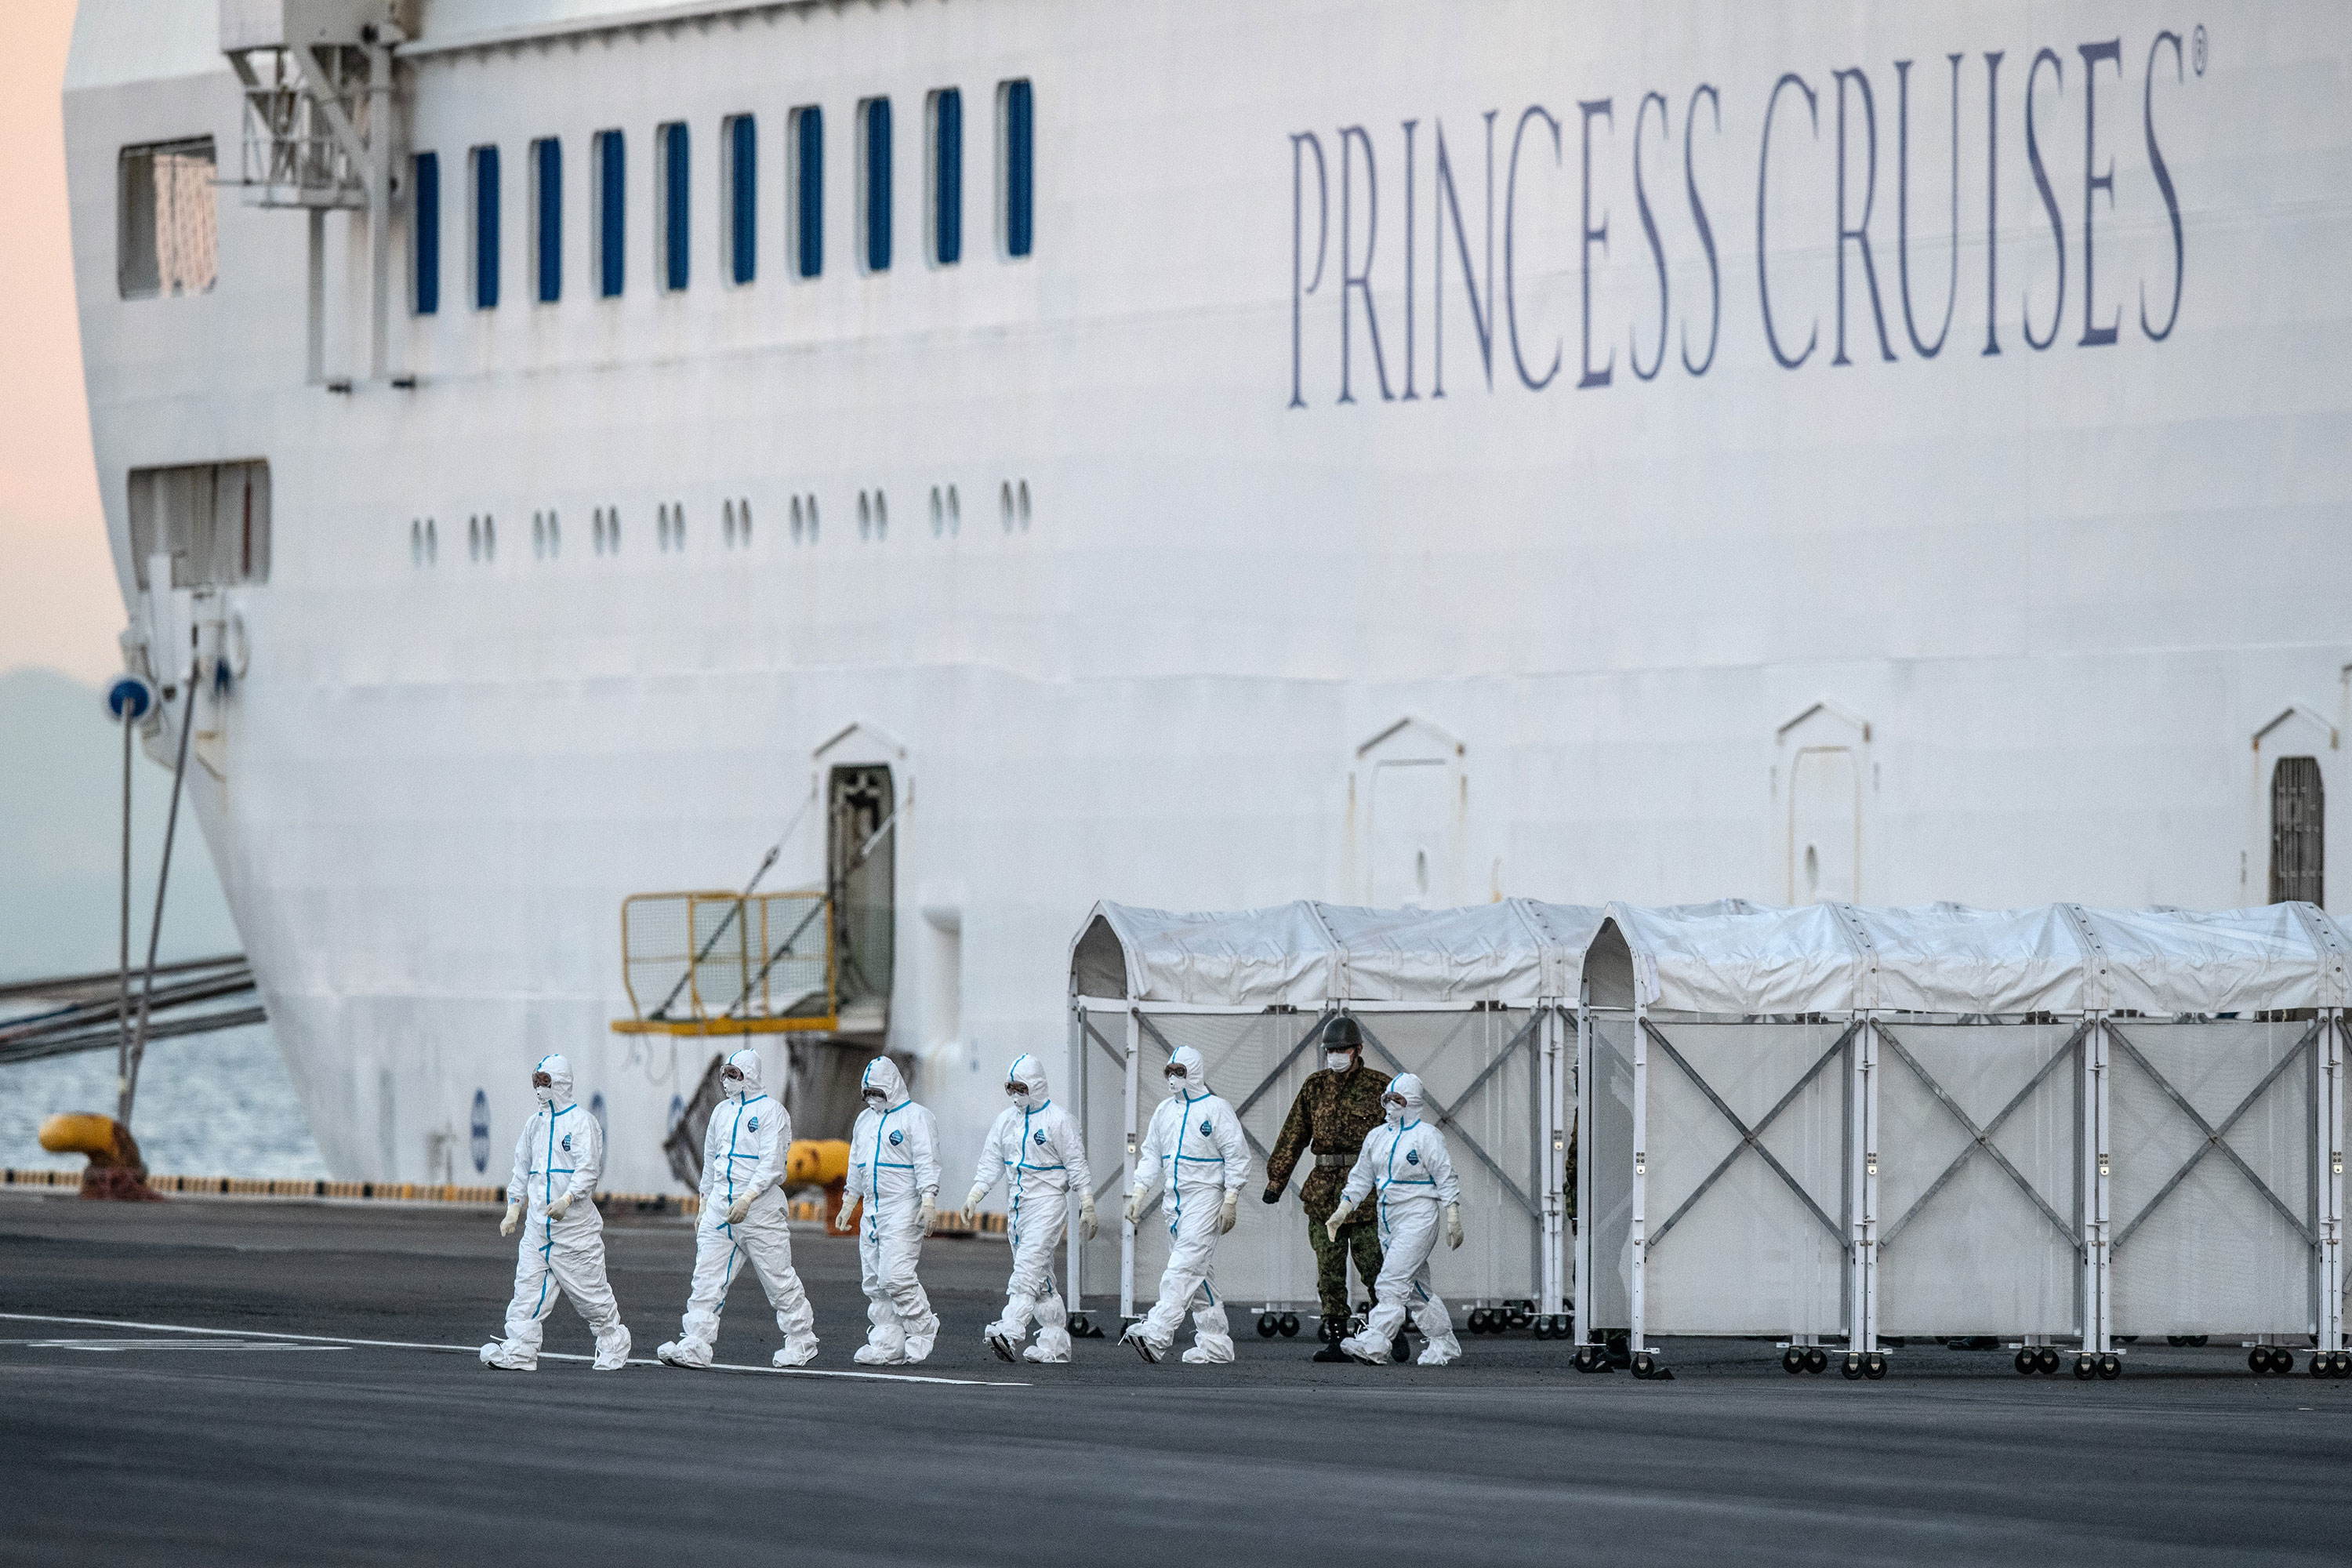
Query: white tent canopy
[1305, 954]
[1735, 958]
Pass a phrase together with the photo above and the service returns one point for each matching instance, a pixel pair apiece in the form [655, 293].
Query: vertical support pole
[1553, 1150]
[2331, 1215]
[2097, 1317]
[316, 364]
[379, 200]
[1127, 1173]
[1582, 1283]
[1864, 1188]
[1074, 1244]
[1638, 1235]
[122, 992]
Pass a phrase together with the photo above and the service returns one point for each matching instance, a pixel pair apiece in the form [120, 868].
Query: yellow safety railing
[721, 963]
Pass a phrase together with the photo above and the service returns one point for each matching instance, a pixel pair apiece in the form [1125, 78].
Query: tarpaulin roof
[1745, 959]
[1304, 954]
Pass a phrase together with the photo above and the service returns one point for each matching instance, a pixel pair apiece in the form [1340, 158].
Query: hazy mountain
[60, 839]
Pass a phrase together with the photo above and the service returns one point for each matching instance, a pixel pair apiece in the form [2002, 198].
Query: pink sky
[62, 608]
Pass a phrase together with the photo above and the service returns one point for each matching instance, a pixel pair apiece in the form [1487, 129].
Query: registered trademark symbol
[2197, 49]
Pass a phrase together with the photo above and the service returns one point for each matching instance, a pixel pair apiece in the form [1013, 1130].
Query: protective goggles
[1393, 1102]
[540, 1081]
[875, 1097]
[731, 1071]
[1016, 1089]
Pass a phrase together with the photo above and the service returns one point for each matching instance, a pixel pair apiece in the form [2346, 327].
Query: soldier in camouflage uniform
[1335, 1110]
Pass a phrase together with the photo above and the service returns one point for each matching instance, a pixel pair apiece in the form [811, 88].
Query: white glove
[971, 1200]
[560, 1207]
[736, 1210]
[1340, 1216]
[845, 1219]
[1453, 1225]
[1230, 1212]
[514, 1218]
[930, 1213]
[1135, 1205]
[1087, 1215]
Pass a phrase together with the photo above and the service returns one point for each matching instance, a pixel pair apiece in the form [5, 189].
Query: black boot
[1331, 1352]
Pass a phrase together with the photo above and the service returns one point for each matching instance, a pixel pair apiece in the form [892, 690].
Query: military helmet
[1341, 1035]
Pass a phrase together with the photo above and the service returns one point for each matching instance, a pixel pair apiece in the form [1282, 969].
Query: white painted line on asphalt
[117, 1346]
[331, 1340]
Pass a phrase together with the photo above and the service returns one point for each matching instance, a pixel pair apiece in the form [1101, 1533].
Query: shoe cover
[1044, 1357]
[1200, 1355]
[1143, 1345]
[1003, 1344]
[875, 1356]
[613, 1353]
[794, 1355]
[1433, 1356]
[1371, 1351]
[918, 1348]
[496, 1354]
[686, 1353]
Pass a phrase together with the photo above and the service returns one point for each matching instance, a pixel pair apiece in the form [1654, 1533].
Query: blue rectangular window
[547, 236]
[674, 211]
[486, 228]
[744, 193]
[424, 195]
[1019, 160]
[611, 192]
[875, 130]
[947, 176]
[808, 188]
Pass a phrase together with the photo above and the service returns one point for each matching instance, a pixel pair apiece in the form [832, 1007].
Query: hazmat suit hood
[1407, 1085]
[1196, 1071]
[882, 1073]
[1028, 1069]
[558, 1068]
[748, 1062]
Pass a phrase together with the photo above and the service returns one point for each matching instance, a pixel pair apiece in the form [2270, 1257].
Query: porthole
[596, 531]
[727, 522]
[432, 543]
[415, 541]
[1004, 505]
[796, 520]
[881, 516]
[955, 513]
[539, 536]
[865, 515]
[490, 537]
[1020, 502]
[938, 513]
[811, 519]
[613, 530]
[678, 525]
[474, 537]
[554, 536]
[661, 525]
[743, 523]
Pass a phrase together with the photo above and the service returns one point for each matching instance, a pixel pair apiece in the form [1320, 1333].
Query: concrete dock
[369, 1433]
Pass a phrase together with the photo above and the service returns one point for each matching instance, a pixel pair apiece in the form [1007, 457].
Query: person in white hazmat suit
[1405, 1162]
[744, 1216]
[1195, 1154]
[1037, 1148]
[894, 1169]
[551, 1198]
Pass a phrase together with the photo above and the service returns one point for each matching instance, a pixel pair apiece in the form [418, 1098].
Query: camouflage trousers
[1331, 1262]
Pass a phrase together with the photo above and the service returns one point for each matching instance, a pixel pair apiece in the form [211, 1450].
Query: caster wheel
[2027, 1362]
[2176, 1341]
[2086, 1368]
[2111, 1367]
[2048, 1360]
[1817, 1360]
[1580, 1360]
[2258, 1360]
[2318, 1363]
[1643, 1364]
[2341, 1365]
[1543, 1327]
[1266, 1321]
[2198, 1340]
[1850, 1368]
[1288, 1325]
[1873, 1366]
[1078, 1325]
[1477, 1320]
[1792, 1360]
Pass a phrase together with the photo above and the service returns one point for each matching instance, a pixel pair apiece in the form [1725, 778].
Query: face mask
[1339, 1061]
[732, 1082]
[1175, 1083]
[877, 1099]
[1017, 1092]
[1395, 1109]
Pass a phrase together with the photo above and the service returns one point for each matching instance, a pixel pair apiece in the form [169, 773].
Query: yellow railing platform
[724, 964]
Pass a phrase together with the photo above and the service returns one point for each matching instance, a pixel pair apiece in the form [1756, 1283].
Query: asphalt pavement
[337, 1414]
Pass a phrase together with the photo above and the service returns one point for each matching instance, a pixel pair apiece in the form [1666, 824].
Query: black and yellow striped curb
[430, 1192]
